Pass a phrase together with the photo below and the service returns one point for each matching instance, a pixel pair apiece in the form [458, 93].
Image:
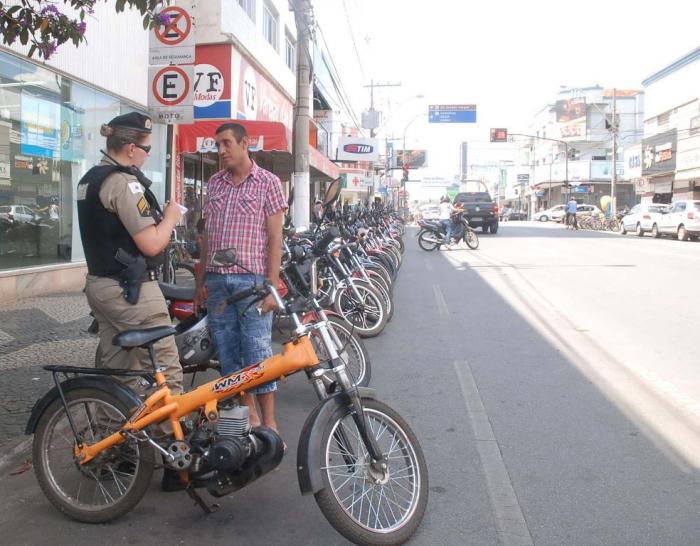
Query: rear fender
[105, 384]
[309, 451]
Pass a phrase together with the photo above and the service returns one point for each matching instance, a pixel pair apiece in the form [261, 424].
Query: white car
[17, 213]
[431, 213]
[642, 218]
[554, 213]
[681, 221]
[587, 210]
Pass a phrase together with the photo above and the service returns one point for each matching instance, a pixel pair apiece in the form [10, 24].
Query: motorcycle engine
[233, 444]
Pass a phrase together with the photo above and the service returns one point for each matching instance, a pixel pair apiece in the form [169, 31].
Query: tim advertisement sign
[357, 149]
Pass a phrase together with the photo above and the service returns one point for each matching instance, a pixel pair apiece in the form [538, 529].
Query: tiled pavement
[33, 333]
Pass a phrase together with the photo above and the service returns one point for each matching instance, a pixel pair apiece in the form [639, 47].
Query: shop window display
[49, 138]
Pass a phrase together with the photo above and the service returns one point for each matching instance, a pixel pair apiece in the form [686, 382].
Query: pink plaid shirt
[236, 217]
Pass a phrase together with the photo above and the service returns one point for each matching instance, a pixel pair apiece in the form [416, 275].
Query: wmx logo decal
[232, 381]
[358, 148]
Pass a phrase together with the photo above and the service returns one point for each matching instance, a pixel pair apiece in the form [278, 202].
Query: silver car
[682, 221]
[642, 219]
[554, 213]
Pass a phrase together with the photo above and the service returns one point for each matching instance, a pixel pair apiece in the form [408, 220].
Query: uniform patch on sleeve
[82, 191]
[144, 209]
[135, 187]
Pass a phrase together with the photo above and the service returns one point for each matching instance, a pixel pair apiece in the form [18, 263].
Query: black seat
[175, 292]
[140, 338]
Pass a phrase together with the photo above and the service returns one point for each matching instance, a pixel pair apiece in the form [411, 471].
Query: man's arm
[274, 224]
[199, 295]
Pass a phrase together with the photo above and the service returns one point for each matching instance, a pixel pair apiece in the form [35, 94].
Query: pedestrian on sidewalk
[117, 211]
[244, 210]
[571, 208]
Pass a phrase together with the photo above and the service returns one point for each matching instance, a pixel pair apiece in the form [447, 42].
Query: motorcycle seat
[142, 338]
[175, 292]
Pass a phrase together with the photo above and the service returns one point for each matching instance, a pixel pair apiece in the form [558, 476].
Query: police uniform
[113, 205]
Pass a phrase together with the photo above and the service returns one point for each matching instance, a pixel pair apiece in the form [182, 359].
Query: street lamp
[405, 158]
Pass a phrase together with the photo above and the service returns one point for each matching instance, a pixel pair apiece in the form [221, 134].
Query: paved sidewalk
[33, 333]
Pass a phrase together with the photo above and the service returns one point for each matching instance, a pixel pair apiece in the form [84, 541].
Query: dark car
[479, 209]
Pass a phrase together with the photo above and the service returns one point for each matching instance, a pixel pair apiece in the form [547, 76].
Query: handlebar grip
[243, 294]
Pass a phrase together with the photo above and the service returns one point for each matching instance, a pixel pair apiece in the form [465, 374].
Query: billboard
[357, 149]
[40, 127]
[414, 158]
[571, 118]
[659, 153]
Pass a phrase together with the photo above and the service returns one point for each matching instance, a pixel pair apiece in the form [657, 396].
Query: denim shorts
[241, 340]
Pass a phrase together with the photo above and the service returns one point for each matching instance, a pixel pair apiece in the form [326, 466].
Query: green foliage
[44, 25]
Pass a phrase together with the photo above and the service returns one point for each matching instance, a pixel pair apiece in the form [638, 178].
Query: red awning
[321, 163]
[264, 135]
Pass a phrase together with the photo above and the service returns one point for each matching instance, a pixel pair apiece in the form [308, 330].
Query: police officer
[117, 210]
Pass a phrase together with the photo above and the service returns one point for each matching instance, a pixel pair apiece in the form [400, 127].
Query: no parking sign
[170, 94]
[172, 42]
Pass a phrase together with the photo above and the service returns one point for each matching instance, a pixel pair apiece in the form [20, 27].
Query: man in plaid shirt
[244, 209]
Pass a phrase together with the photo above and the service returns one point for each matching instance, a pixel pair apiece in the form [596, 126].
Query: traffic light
[499, 135]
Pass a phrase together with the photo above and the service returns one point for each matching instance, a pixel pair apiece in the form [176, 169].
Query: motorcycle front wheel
[352, 351]
[112, 483]
[367, 314]
[368, 507]
[471, 239]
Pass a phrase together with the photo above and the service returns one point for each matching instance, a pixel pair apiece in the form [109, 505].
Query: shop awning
[267, 136]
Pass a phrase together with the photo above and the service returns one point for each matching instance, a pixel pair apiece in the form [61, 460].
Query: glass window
[635, 209]
[290, 52]
[270, 24]
[249, 8]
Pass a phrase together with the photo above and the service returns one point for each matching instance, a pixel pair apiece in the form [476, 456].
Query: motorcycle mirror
[223, 258]
[332, 193]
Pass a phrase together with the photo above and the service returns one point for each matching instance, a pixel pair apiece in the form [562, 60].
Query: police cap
[134, 121]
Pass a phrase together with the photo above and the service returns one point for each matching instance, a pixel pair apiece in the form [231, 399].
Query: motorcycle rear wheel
[471, 239]
[428, 241]
[111, 484]
[393, 504]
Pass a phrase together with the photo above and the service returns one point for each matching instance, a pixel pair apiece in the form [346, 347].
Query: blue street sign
[452, 113]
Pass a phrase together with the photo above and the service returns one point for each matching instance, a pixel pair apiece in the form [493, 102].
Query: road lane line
[510, 521]
[440, 300]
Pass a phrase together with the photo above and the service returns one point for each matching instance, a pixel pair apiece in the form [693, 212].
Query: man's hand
[267, 305]
[200, 298]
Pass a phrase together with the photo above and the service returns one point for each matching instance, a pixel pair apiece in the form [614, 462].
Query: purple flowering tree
[45, 25]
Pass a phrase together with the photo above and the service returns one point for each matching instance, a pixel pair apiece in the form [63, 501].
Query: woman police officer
[117, 210]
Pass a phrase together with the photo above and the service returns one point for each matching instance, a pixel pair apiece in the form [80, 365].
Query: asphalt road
[551, 377]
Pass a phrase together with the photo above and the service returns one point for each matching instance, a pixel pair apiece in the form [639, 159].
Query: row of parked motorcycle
[357, 455]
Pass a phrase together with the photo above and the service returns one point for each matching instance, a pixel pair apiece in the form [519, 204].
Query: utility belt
[149, 275]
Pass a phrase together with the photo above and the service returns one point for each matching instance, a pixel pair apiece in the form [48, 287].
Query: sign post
[170, 93]
[452, 113]
[172, 43]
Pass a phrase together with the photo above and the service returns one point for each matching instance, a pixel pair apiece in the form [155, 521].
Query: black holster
[132, 275]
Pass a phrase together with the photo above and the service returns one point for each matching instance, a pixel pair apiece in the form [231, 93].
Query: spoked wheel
[108, 486]
[367, 313]
[428, 241]
[352, 351]
[364, 505]
[471, 239]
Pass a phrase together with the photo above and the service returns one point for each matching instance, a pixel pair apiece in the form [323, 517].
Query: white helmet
[193, 340]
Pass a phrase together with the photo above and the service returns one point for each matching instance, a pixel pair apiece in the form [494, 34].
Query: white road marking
[440, 300]
[510, 522]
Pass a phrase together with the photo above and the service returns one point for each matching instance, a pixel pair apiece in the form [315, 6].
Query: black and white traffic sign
[172, 42]
[170, 94]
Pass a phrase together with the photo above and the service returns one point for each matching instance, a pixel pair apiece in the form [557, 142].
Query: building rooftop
[673, 67]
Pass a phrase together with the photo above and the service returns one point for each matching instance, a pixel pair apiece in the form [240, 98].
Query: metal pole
[613, 177]
[566, 168]
[302, 114]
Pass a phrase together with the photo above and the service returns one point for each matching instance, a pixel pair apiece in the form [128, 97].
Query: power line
[352, 37]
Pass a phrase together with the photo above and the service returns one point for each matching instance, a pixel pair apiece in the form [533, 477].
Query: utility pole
[303, 16]
[371, 86]
[613, 176]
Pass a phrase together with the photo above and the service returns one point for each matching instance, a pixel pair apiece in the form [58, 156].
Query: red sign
[258, 98]
[171, 86]
[178, 27]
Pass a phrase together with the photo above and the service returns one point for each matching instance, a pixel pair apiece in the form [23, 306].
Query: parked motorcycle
[94, 454]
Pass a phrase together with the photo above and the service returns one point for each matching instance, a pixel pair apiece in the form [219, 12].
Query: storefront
[49, 138]
[659, 164]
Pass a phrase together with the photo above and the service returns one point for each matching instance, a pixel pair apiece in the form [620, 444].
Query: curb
[12, 454]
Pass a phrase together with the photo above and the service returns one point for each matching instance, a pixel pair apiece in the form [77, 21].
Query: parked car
[642, 218]
[586, 210]
[431, 212]
[681, 221]
[479, 209]
[509, 215]
[556, 212]
[18, 213]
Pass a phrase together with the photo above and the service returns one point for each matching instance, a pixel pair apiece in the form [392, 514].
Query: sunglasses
[146, 149]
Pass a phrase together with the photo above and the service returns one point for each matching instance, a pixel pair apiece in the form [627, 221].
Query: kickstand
[199, 501]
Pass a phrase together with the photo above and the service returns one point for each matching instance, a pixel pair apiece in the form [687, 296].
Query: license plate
[476, 218]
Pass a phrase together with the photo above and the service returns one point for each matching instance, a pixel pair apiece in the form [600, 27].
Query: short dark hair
[236, 128]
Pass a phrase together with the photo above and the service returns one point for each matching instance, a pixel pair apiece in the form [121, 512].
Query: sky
[508, 57]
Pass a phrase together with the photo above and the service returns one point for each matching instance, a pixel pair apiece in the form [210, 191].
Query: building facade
[50, 118]
[670, 150]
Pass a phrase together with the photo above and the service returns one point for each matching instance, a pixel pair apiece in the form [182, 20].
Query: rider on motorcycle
[446, 211]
